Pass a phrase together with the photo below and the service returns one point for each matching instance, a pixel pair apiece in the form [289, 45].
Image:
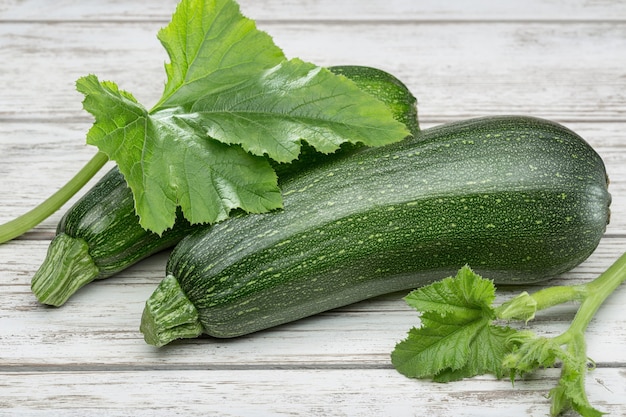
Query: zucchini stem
[32, 218]
[169, 315]
[67, 267]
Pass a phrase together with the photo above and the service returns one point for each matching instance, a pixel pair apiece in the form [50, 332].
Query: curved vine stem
[32, 218]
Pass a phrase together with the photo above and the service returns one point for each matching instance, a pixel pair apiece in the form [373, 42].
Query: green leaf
[466, 296]
[457, 338]
[491, 339]
[231, 100]
[271, 113]
[212, 46]
[433, 348]
[167, 163]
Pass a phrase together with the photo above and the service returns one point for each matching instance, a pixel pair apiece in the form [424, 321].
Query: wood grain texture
[289, 392]
[558, 59]
[449, 66]
[325, 10]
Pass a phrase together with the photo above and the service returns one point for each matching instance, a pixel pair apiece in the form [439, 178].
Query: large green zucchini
[519, 199]
[100, 235]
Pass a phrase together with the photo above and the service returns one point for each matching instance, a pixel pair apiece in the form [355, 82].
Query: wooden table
[561, 60]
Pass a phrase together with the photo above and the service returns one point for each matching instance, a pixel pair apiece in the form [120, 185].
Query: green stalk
[32, 218]
[595, 293]
[591, 295]
[553, 296]
[569, 347]
[524, 306]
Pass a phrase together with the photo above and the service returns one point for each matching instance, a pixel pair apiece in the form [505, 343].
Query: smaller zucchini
[519, 199]
[97, 237]
[101, 235]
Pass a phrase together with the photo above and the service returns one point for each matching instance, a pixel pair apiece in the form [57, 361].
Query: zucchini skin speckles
[519, 199]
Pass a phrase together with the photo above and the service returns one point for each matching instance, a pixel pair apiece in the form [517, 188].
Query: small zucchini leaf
[457, 338]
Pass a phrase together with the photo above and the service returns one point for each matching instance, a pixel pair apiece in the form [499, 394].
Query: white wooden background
[558, 59]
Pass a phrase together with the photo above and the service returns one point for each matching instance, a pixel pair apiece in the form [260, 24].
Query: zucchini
[100, 235]
[97, 237]
[520, 199]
